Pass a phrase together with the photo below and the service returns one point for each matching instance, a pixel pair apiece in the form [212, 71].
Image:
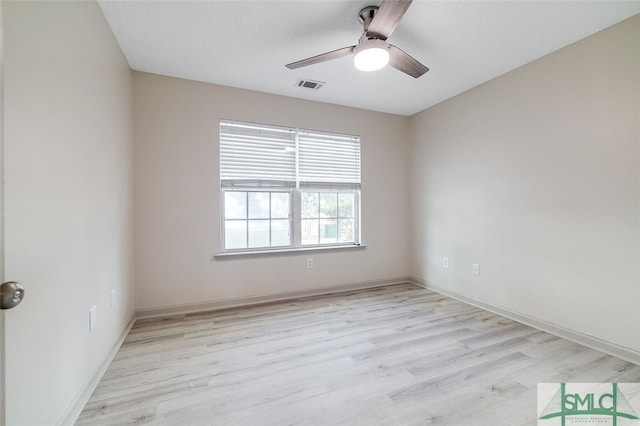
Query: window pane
[328, 231]
[235, 205]
[235, 234]
[345, 231]
[345, 205]
[258, 205]
[309, 204]
[280, 205]
[258, 233]
[309, 231]
[328, 204]
[280, 235]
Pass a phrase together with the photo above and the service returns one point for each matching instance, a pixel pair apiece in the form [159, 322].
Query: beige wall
[177, 200]
[68, 169]
[535, 176]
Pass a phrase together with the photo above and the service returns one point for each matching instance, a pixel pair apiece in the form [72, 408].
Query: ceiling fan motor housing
[366, 16]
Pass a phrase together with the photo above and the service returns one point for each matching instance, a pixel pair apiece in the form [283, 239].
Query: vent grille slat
[310, 84]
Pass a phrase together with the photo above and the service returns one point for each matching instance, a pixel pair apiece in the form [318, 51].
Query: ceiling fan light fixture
[372, 51]
[371, 55]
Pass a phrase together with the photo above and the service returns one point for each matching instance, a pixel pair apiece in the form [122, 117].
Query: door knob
[11, 294]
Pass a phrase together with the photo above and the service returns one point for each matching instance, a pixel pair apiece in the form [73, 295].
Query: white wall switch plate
[309, 263]
[445, 262]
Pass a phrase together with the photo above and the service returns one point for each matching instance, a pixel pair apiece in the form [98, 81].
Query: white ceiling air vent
[310, 84]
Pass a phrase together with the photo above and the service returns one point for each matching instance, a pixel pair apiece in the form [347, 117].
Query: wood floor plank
[396, 355]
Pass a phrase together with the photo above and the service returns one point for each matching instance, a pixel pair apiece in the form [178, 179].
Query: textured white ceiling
[246, 44]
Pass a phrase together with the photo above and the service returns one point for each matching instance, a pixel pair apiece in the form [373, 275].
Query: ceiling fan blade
[387, 18]
[400, 60]
[335, 54]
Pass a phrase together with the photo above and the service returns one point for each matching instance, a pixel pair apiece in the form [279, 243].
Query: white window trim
[295, 191]
[286, 251]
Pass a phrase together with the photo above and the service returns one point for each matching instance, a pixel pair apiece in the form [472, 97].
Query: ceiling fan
[372, 51]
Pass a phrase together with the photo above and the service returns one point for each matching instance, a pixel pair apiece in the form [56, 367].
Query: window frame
[295, 191]
[356, 216]
[248, 219]
[295, 222]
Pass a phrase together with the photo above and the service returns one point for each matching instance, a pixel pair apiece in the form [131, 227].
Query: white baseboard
[592, 342]
[237, 302]
[78, 403]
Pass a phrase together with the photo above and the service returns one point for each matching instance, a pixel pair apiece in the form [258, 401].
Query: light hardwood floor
[397, 355]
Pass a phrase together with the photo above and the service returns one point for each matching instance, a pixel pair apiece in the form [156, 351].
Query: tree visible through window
[327, 218]
[288, 188]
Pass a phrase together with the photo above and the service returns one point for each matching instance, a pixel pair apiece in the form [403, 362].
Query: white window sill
[287, 251]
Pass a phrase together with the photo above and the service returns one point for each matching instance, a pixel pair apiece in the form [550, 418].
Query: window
[256, 219]
[327, 218]
[285, 188]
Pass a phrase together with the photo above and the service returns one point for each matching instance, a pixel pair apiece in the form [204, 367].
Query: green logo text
[612, 404]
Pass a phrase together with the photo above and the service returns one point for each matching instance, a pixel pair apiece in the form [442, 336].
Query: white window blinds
[328, 158]
[257, 155]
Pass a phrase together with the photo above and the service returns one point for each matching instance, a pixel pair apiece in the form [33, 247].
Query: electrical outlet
[309, 263]
[476, 269]
[445, 262]
[112, 298]
[92, 318]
